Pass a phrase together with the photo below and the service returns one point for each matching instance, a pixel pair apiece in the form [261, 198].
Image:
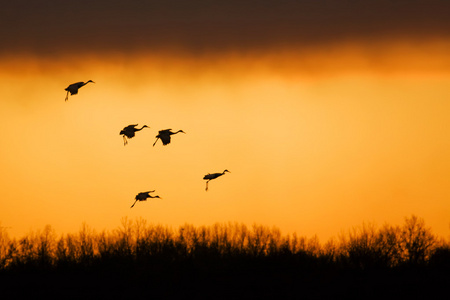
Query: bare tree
[417, 240]
[388, 241]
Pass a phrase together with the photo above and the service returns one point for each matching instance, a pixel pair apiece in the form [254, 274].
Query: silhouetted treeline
[143, 256]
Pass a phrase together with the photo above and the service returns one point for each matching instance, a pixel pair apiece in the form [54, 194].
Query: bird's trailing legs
[67, 96]
[207, 185]
[124, 140]
[144, 200]
[155, 142]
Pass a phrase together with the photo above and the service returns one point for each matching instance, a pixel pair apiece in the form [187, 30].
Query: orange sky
[317, 141]
[327, 113]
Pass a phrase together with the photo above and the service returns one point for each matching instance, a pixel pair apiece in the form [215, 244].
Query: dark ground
[254, 280]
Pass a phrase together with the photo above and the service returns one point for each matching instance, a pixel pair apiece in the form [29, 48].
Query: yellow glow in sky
[310, 151]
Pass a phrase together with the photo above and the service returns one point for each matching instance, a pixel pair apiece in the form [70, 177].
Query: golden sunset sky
[327, 113]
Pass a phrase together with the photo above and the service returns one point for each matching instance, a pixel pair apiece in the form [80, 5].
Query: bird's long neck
[138, 129]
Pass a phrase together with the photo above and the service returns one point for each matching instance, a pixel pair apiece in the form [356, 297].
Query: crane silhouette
[129, 132]
[73, 88]
[143, 197]
[212, 176]
[164, 135]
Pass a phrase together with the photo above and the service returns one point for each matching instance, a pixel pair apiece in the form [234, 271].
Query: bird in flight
[212, 176]
[164, 135]
[73, 88]
[143, 197]
[129, 132]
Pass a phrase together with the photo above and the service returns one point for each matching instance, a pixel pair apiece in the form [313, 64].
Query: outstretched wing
[165, 131]
[73, 88]
[212, 176]
[141, 196]
[130, 134]
[165, 139]
[129, 127]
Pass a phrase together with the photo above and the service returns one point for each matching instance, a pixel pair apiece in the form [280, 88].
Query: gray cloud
[54, 27]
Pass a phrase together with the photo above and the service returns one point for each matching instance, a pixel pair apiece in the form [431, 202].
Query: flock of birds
[129, 132]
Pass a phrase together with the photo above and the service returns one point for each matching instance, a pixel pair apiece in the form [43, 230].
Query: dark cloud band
[53, 26]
